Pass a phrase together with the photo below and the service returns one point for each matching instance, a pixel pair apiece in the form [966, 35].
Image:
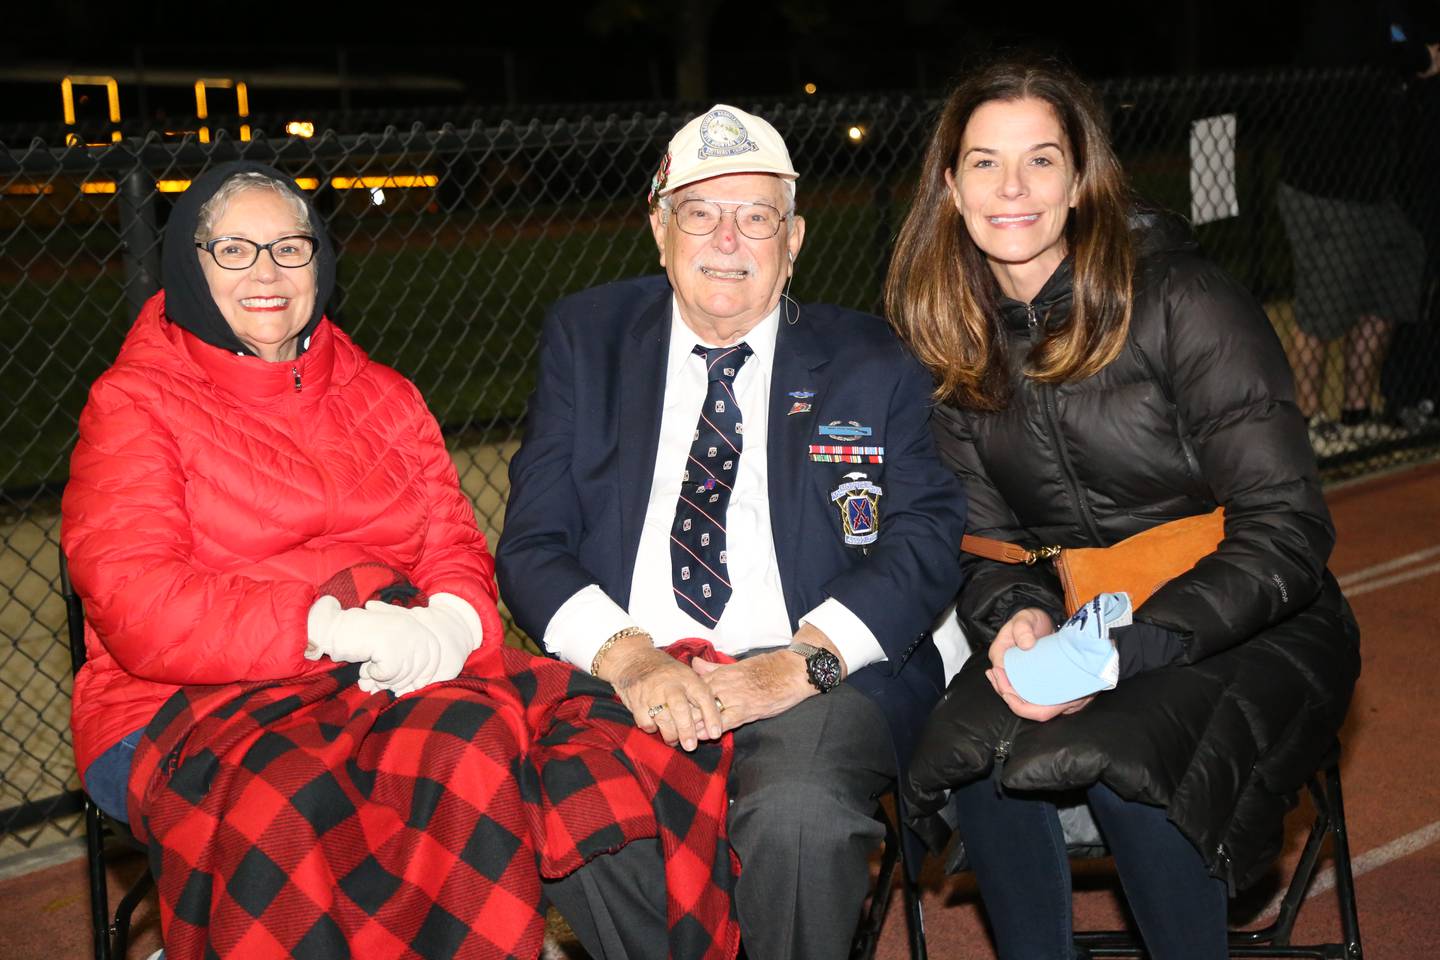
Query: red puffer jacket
[211, 493]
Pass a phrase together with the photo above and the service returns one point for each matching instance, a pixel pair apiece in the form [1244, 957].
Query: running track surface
[1387, 556]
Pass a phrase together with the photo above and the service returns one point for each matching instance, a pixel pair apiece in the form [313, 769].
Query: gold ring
[656, 710]
[719, 706]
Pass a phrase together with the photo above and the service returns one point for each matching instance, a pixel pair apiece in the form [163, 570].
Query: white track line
[1410, 574]
[1388, 565]
[28, 861]
[1385, 474]
[1363, 864]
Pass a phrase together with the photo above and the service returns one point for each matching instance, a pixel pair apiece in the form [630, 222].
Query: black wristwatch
[821, 666]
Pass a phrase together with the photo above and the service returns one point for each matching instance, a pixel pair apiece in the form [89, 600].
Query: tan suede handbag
[1137, 565]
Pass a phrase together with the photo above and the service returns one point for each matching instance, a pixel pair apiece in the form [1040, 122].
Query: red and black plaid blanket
[307, 818]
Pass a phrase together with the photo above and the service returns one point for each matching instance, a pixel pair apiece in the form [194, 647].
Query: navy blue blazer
[580, 483]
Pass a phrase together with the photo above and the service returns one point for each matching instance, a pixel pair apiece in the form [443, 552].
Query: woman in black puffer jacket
[1098, 377]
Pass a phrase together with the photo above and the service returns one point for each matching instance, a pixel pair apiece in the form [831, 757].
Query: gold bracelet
[605, 647]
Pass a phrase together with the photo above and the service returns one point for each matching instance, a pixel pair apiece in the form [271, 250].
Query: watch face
[824, 669]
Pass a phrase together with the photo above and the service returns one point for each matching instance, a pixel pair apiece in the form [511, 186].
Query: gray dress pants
[802, 803]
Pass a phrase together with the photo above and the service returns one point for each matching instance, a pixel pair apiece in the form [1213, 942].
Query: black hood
[1155, 230]
[187, 296]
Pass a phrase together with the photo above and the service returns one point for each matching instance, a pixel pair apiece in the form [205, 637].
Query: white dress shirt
[755, 616]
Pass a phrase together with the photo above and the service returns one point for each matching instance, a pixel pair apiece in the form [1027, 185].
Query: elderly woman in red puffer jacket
[240, 452]
[296, 688]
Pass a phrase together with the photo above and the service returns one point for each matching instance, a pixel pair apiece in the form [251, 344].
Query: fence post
[140, 238]
[884, 223]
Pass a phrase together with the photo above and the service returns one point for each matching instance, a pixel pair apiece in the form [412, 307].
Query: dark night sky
[558, 52]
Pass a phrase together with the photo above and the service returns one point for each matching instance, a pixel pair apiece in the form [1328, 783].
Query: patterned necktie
[697, 537]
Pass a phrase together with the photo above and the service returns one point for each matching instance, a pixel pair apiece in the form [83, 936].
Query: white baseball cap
[723, 139]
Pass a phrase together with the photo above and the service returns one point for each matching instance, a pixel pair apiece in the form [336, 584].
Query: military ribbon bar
[845, 453]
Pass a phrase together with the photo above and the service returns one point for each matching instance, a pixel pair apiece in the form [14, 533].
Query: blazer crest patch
[858, 501]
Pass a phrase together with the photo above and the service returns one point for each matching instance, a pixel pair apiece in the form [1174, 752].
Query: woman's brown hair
[940, 293]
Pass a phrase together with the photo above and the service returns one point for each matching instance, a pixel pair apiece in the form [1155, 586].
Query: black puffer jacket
[1197, 411]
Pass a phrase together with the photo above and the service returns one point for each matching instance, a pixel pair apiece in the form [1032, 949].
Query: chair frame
[110, 932]
[1273, 940]
[892, 860]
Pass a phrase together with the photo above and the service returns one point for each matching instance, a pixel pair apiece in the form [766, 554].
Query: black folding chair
[892, 862]
[1273, 940]
[111, 933]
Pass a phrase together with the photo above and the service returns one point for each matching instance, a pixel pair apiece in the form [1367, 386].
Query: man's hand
[1022, 630]
[765, 685]
[661, 693]
[757, 687]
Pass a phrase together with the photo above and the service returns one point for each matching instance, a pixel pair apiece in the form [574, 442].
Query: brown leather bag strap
[1001, 550]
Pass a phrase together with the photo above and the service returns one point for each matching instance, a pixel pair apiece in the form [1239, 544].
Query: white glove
[421, 645]
[345, 636]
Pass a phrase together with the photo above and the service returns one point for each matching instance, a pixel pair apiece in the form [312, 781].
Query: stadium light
[856, 133]
[28, 189]
[375, 185]
[300, 128]
[810, 88]
[381, 183]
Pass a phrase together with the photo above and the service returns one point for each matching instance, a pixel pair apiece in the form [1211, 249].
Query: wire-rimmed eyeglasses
[237, 253]
[699, 218]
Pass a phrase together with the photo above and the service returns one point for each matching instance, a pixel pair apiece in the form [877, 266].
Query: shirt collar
[760, 340]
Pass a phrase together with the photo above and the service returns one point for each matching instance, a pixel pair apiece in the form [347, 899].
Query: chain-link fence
[452, 240]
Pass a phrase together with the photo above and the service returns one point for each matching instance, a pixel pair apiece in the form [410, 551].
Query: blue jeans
[108, 779]
[1017, 851]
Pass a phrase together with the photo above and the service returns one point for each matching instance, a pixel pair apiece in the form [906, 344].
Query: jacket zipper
[1002, 753]
[1224, 868]
[1052, 422]
[295, 371]
[1192, 465]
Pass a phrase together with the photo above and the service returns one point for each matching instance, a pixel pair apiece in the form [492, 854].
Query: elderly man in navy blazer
[705, 457]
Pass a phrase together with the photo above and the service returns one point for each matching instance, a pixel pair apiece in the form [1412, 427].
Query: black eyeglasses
[237, 253]
[699, 218]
